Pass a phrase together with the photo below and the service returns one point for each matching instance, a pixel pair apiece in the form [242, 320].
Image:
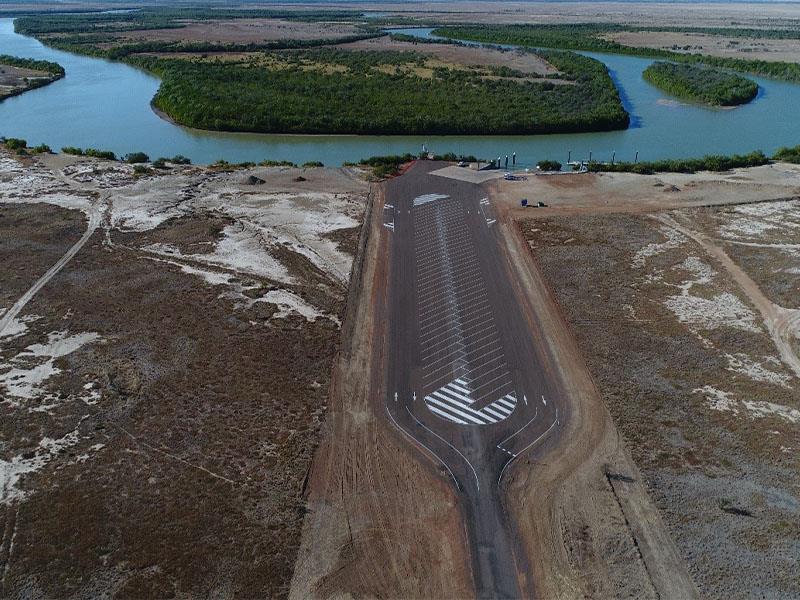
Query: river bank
[106, 104]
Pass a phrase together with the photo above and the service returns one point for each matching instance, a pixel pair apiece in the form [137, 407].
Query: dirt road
[780, 322]
[13, 312]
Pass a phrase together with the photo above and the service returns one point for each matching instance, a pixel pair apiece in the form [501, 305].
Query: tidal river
[106, 105]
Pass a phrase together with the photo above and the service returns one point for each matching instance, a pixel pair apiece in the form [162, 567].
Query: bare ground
[581, 510]
[712, 45]
[690, 369]
[463, 55]
[162, 394]
[773, 14]
[244, 31]
[743, 14]
[15, 80]
[593, 193]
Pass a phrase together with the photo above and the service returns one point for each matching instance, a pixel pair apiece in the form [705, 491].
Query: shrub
[791, 155]
[549, 165]
[15, 143]
[386, 166]
[685, 165]
[312, 163]
[136, 157]
[95, 153]
[276, 163]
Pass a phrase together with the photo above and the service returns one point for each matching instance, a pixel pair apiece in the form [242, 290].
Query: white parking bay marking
[461, 354]
[426, 198]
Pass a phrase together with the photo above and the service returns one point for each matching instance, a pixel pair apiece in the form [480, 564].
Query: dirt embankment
[162, 394]
[380, 523]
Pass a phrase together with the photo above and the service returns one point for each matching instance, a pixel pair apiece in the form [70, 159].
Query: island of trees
[701, 84]
[383, 92]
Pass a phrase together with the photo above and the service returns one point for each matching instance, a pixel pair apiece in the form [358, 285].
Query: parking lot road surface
[467, 383]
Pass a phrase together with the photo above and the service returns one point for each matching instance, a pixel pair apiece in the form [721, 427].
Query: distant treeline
[587, 37]
[362, 99]
[30, 63]
[684, 165]
[732, 32]
[91, 45]
[405, 37]
[161, 18]
[701, 84]
[92, 34]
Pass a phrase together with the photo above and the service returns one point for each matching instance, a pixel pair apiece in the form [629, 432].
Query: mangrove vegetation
[371, 92]
[701, 84]
[593, 37]
[684, 165]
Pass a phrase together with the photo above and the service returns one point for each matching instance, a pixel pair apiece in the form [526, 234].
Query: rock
[253, 180]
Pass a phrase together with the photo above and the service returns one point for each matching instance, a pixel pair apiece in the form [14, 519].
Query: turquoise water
[106, 105]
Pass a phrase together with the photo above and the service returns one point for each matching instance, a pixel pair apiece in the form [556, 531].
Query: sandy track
[13, 312]
[783, 324]
[379, 523]
[581, 509]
